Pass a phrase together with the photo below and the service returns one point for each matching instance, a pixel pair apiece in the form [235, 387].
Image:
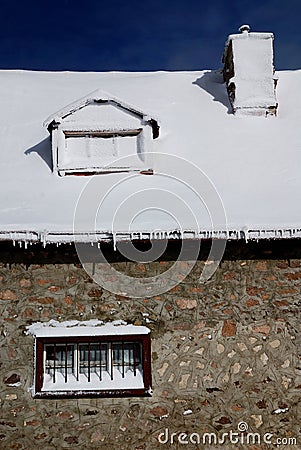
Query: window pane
[93, 366]
[56, 358]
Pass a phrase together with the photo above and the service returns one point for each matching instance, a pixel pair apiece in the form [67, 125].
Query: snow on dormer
[101, 134]
[249, 73]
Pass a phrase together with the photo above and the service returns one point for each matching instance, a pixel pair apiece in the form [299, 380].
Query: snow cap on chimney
[244, 29]
[249, 73]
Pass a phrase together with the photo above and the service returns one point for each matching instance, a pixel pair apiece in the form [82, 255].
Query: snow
[93, 327]
[130, 381]
[253, 163]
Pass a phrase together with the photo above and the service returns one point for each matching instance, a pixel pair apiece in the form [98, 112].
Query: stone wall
[224, 353]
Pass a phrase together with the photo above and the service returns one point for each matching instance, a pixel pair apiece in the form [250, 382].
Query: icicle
[25, 245]
[98, 244]
[14, 243]
[20, 244]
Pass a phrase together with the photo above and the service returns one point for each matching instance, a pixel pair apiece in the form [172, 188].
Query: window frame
[40, 367]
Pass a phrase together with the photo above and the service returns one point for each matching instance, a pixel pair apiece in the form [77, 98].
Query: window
[93, 365]
[87, 152]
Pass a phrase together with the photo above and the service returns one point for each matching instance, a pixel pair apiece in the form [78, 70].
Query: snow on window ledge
[93, 327]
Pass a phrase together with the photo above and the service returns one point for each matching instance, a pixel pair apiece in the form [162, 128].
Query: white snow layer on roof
[93, 327]
[253, 163]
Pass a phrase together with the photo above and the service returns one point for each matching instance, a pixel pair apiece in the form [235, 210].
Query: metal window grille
[93, 361]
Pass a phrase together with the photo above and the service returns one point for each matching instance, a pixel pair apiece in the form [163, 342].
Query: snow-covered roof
[215, 175]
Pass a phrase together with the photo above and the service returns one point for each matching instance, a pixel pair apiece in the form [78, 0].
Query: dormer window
[100, 134]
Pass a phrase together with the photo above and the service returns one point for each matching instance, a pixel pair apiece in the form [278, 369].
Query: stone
[253, 291]
[242, 346]
[231, 354]
[95, 293]
[220, 348]
[257, 348]
[286, 382]
[207, 378]
[286, 364]
[236, 368]
[249, 371]
[200, 365]
[236, 407]
[264, 358]
[40, 436]
[71, 439]
[252, 302]
[7, 423]
[184, 381]
[261, 404]
[275, 344]
[98, 436]
[91, 412]
[163, 369]
[12, 379]
[261, 265]
[224, 420]
[11, 396]
[225, 378]
[200, 351]
[159, 412]
[185, 363]
[257, 420]
[8, 295]
[64, 415]
[24, 282]
[229, 328]
[186, 303]
[31, 423]
[293, 276]
[263, 329]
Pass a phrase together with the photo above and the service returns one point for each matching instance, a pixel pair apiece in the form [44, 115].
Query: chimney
[249, 73]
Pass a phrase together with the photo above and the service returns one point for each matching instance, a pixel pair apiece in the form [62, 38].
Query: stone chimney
[249, 73]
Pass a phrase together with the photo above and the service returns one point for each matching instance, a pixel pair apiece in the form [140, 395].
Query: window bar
[89, 362]
[100, 373]
[66, 363]
[107, 357]
[112, 355]
[122, 348]
[77, 361]
[54, 358]
[72, 361]
[135, 361]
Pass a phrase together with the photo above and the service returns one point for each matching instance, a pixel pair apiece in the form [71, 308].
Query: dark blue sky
[139, 35]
